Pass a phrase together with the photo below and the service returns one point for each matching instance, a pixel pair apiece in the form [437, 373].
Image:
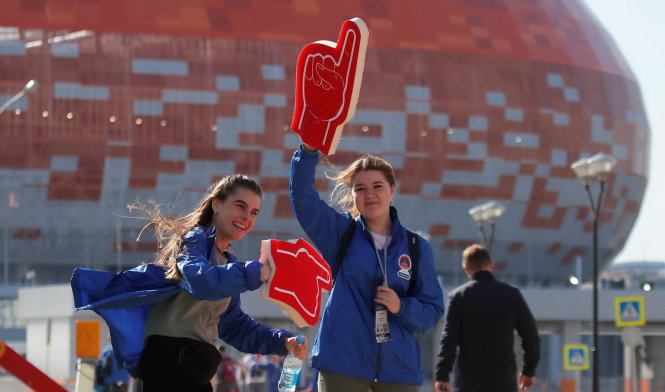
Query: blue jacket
[123, 299]
[346, 343]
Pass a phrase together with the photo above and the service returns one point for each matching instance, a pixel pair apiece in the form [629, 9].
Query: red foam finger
[350, 35]
[323, 107]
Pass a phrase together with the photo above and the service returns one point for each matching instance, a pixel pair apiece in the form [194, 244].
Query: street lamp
[594, 169]
[490, 211]
[28, 86]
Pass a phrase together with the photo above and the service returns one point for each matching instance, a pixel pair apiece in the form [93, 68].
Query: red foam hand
[328, 78]
[299, 276]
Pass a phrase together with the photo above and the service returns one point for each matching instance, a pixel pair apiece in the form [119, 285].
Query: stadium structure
[470, 101]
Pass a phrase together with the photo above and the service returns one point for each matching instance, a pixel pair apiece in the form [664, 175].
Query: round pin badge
[404, 267]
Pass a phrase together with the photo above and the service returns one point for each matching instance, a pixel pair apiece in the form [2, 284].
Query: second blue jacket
[346, 343]
[123, 299]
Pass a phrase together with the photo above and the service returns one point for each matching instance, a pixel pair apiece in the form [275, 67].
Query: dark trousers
[177, 364]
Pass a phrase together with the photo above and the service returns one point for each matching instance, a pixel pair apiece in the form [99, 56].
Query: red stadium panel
[469, 100]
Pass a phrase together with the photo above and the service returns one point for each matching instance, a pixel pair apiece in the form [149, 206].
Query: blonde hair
[170, 230]
[342, 192]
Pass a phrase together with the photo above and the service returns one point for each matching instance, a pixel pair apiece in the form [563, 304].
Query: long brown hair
[342, 192]
[170, 230]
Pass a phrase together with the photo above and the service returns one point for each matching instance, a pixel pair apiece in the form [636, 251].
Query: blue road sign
[629, 311]
[576, 357]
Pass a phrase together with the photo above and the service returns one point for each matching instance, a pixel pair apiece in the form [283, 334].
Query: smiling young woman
[372, 184]
[376, 284]
[164, 318]
[235, 215]
[228, 211]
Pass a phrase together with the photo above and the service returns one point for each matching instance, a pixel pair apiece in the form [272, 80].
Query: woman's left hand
[300, 350]
[389, 298]
[266, 271]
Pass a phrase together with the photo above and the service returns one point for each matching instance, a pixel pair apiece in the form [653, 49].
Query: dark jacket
[481, 319]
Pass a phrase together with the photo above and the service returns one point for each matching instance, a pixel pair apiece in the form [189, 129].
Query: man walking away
[481, 319]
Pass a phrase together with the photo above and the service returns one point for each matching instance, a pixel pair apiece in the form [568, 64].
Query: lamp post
[490, 211]
[594, 169]
[28, 86]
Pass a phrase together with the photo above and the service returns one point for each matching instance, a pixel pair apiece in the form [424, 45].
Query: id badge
[381, 324]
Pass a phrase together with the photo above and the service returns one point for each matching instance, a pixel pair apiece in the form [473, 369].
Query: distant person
[385, 291]
[275, 363]
[226, 373]
[165, 317]
[256, 376]
[312, 385]
[109, 376]
[481, 318]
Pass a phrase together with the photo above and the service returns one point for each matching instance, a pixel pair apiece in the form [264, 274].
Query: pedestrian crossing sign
[629, 311]
[576, 357]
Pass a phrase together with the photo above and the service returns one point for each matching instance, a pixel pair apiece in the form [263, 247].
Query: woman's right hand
[299, 350]
[266, 271]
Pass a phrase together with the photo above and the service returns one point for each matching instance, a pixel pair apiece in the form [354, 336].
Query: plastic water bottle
[290, 371]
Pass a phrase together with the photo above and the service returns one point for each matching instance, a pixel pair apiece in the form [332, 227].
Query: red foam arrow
[299, 276]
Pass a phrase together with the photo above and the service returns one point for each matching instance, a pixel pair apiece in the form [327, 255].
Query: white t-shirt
[379, 240]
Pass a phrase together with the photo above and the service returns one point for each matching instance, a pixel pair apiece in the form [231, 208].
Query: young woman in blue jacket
[381, 297]
[164, 318]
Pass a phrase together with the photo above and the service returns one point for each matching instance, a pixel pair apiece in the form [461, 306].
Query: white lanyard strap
[385, 259]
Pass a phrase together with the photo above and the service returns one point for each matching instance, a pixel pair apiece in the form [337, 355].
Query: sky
[638, 29]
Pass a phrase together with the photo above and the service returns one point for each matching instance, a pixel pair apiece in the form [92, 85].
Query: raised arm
[321, 223]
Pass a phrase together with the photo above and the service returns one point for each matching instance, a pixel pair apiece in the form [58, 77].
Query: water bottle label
[287, 382]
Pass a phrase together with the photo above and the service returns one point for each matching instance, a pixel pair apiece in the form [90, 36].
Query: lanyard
[383, 267]
[381, 325]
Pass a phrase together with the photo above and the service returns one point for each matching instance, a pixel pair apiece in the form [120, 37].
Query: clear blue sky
[638, 28]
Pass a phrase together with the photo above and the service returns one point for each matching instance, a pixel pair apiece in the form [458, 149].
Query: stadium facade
[469, 100]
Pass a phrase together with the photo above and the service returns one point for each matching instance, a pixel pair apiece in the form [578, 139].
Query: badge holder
[381, 324]
[381, 328]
